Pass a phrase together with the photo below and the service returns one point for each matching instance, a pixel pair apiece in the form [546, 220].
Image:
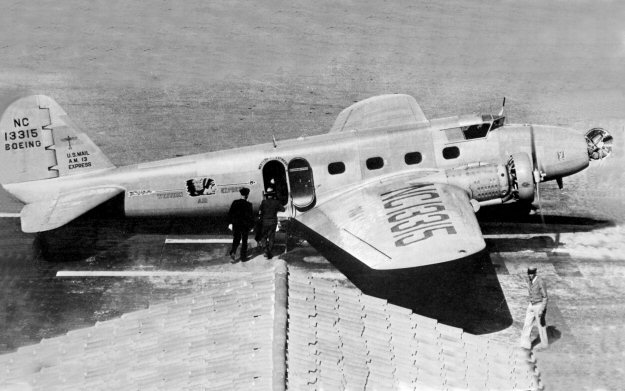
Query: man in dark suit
[268, 212]
[241, 220]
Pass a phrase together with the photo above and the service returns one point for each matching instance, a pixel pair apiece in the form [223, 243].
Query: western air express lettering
[416, 213]
[164, 196]
[22, 138]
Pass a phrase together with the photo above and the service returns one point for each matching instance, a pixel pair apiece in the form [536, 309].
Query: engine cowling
[487, 181]
[483, 182]
[520, 170]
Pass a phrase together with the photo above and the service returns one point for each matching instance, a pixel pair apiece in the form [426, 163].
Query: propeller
[537, 174]
[599, 143]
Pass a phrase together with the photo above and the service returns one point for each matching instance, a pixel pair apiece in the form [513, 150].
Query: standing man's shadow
[553, 335]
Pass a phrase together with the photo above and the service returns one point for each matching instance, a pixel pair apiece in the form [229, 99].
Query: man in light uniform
[536, 310]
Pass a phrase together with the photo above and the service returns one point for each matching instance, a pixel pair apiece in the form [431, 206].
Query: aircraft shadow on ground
[545, 231]
[105, 229]
[498, 218]
[464, 293]
[537, 243]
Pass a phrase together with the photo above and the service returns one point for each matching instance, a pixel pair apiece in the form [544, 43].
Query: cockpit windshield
[474, 127]
[475, 131]
[496, 120]
[481, 130]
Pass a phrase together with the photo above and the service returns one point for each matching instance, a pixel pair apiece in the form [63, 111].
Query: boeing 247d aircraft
[386, 185]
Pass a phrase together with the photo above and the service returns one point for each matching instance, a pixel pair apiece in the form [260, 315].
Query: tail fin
[39, 141]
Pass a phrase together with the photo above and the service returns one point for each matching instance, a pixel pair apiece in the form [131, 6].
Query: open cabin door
[274, 177]
[302, 184]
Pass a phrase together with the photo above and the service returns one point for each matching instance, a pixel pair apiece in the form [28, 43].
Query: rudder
[40, 142]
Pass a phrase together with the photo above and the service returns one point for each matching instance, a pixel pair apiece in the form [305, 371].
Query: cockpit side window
[496, 120]
[498, 123]
[454, 135]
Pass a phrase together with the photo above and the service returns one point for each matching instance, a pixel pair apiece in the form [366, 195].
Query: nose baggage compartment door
[302, 184]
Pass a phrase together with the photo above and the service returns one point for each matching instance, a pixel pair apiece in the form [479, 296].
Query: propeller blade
[533, 145]
[540, 205]
[537, 175]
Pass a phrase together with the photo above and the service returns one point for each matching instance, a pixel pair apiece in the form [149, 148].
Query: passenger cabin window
[451, 152]
[375, 163]
[336, 168]
[413, 158]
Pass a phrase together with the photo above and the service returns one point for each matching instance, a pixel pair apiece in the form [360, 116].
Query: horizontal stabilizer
[46, 215]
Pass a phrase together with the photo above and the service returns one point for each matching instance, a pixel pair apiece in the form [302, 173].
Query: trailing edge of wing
[393, 225]
[46, 215]
[380, 111]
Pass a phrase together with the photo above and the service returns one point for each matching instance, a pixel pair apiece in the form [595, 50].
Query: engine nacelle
[487, 181]
[520, 170]
[482, 181]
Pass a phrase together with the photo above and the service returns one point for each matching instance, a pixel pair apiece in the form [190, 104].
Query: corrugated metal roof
[219, 338]
[339, 338]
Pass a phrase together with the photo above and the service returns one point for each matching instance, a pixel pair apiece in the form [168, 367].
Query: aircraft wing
[395, 224]
[50, 214]
[380, 111]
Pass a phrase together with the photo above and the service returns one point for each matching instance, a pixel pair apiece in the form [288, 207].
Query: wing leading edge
[393, 225]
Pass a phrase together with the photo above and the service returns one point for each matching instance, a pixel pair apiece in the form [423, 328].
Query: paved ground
[150, 82]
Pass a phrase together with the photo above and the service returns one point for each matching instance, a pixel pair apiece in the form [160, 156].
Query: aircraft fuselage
[309, 168]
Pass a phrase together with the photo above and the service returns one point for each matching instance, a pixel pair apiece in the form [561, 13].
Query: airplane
[385, 184]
